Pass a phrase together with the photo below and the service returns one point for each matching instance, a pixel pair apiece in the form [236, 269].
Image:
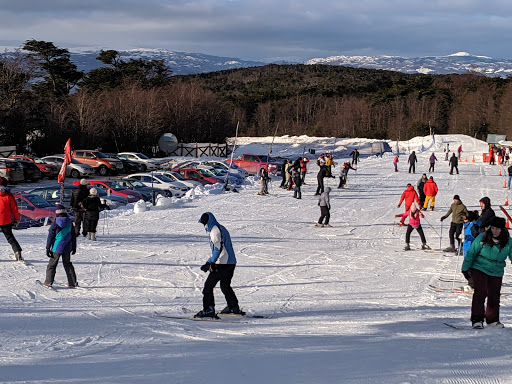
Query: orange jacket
[430, 188]
[8, 208]
[409, 196]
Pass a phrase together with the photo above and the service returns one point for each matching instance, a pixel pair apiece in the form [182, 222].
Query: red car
[114, 188]
[192, 174]
[34, 206]
[47, 170]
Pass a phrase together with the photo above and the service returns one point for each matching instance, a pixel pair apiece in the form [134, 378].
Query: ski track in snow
[348, 305]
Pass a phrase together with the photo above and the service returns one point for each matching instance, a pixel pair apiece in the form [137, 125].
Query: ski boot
[407, 247]
[231, 311]
[478, 325]
[425, 246]
[319, 225]
[17, 255]
[209, 312]
[451, 248]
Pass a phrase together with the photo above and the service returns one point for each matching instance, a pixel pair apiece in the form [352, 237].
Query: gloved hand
[49, 253]
[442, 218]
[73, 252]
[467, 274]
[398, 206]
[206, 267]
[15, 223]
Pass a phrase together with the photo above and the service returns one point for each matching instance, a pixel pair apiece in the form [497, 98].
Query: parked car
[31, 172]
[222, 165]
[146, 192]
[12, 170]
[27, 222]
[75, 169]
[52, 194]
[159, 180]
[111, 187]
[101, 163]
[147, 163]
[128, 165]
[34, 206]
[219, 174]
[253, 163]
[177, 177]
[192, 174]
[47, 170]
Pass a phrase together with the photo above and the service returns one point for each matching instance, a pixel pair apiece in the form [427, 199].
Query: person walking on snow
[458, 212]
[322, 173]
[487, 213]
[297, 182]
[344, 174]
[419, 186]
[263, 174]
[325, 209]
[410, 196]
[355, 156]
[509, 170]
[395, 163]
[78, 195]
[414, 215]
[412, 162]
[491, 156]
[485, 264]
[459, 151]
[61, 241]
[283, 174]
[92, 205]
[221, 266]
[303, 169]
[432, 160]
[430, 190]
[9, 216]
[454, 164]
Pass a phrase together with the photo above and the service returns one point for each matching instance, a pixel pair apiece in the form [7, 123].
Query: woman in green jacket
[485, 263]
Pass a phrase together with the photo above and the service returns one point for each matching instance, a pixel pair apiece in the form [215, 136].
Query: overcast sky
[266, 30]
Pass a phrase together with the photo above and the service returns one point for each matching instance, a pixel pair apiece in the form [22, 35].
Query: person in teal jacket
[485, 263]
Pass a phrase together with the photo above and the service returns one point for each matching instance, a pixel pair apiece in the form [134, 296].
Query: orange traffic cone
[507, 225]
[505, 185]
[473, 158]
[506, 201]
[500, 172]
[466, 160]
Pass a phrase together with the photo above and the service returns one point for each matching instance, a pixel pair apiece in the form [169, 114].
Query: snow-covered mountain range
[184, 63]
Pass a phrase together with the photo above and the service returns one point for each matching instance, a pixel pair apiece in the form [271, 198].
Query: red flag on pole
[67, 160]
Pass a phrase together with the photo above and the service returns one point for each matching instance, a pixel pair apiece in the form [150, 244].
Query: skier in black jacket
[78, 195]
[322, 173]
[454, 164]
[487, 213]
[412, 162]
[92, 205]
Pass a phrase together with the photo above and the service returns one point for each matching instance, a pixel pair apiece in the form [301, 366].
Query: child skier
[61, 241]
[471, 231]
[414, 215]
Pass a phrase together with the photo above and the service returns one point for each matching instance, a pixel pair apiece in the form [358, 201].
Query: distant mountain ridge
[184, 63]
[460, 62]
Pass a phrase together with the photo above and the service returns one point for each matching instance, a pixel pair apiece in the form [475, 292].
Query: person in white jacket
[325, 208]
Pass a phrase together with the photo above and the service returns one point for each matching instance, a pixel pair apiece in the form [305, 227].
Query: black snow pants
[454, 233]
[7, 231]
[325, 213]
[224, 274]
[409, 231]
[68, 267]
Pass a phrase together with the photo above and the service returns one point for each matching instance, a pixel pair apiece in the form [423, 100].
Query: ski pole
[430, 225]
[441, 237]
[456, 266]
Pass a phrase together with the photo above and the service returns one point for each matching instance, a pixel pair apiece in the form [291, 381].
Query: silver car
[75, 170]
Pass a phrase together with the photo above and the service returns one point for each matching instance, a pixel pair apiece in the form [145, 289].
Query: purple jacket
[433, 158]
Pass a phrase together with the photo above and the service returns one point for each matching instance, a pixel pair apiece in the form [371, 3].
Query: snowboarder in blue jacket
[61, 241]
[221, 266]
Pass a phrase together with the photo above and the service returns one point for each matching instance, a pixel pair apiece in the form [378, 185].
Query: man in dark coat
[355, 156]
[322, 173]
[454, 164]
[487, 213]
[412, 162]
[77, 197]
[421, 192]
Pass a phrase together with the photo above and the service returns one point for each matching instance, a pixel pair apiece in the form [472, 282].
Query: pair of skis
[230, 318]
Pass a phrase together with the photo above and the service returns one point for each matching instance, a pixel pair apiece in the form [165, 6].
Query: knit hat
[204, 218]
[60, 209]
[84, 182]
[497, 222]
[93, 191]
[456, 197]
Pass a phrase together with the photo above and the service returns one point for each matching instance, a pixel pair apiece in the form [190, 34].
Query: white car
[76, 169]
[177, 177]
[159, 180]
[140, 158]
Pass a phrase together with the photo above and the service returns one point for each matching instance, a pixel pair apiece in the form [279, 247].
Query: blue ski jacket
[220, 242]
[61, 236]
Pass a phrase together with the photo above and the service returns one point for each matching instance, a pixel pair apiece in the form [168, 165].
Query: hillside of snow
[347, 304]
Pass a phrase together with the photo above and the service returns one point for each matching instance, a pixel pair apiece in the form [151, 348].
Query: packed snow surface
[348, 305]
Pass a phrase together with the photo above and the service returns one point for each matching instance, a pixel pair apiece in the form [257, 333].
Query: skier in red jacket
[9, 216]
[430, 189]
[410, 196]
